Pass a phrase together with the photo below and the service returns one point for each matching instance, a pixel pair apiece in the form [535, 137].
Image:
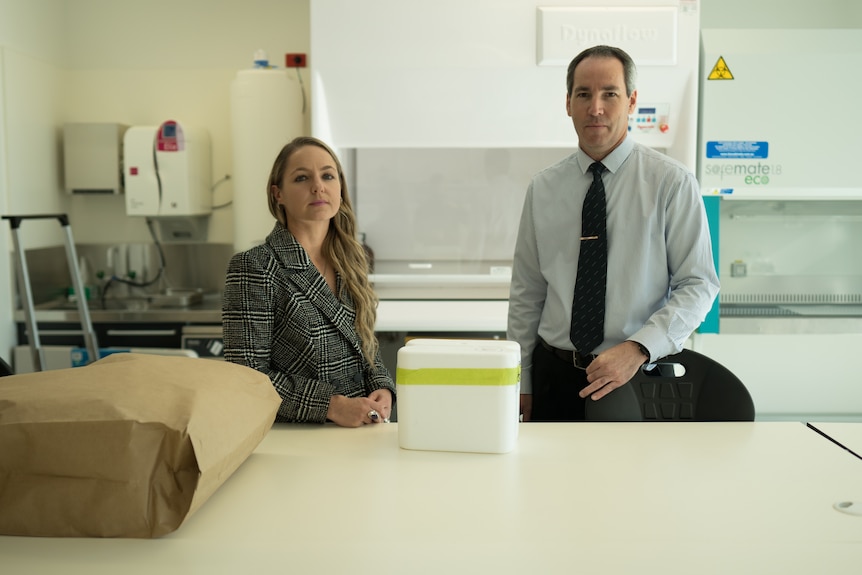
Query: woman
[299, 308]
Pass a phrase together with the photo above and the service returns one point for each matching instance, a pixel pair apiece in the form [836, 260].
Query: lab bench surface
[579, 497]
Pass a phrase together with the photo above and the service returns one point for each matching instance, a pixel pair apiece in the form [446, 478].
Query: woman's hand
[383, 397]
[357, 411]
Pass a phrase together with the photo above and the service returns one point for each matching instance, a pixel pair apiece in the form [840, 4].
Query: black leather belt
[576, 358]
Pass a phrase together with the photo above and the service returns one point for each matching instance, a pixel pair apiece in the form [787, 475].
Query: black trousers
[556, 384]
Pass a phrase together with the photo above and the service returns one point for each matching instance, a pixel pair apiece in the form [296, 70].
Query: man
[660, 279]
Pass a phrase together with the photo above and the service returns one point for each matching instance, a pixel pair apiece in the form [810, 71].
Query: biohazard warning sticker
[720, 71]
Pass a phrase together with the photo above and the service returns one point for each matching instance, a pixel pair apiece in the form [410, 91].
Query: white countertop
[571, 498]
[442, 315]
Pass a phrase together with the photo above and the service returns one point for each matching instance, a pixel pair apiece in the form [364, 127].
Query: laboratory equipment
[167, 170]
[441, 144]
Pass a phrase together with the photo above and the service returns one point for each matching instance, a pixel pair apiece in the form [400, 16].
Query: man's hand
[613, 368]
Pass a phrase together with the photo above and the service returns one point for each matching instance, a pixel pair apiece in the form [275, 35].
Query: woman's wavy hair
[341, 246]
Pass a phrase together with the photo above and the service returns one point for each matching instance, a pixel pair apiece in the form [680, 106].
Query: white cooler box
[458, 395]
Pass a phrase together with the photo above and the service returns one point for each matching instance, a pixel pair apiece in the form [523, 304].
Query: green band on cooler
[458, 376]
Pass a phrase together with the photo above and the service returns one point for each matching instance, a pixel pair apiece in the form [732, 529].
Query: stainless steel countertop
[208, 311]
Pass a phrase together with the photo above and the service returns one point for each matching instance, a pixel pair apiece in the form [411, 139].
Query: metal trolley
[89, 333]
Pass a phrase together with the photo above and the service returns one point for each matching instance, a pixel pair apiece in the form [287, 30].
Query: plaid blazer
[280, 318]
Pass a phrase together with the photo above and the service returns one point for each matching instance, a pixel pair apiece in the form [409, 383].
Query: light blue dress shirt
[661, 276]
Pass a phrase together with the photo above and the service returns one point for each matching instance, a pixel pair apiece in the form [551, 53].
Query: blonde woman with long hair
[299, 307]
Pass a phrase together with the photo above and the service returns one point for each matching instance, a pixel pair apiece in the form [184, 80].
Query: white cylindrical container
[458, 395]
[266, 113]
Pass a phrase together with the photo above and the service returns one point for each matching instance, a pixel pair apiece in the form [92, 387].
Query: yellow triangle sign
[720, 71]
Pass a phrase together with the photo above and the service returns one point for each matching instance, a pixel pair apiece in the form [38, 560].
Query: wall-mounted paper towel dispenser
[91, 158]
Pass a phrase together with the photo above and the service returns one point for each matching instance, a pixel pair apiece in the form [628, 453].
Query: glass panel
[443, 204]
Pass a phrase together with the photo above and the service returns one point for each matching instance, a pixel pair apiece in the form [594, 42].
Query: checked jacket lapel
[304, 277]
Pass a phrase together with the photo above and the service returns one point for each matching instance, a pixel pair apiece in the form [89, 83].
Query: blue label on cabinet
[737, 149]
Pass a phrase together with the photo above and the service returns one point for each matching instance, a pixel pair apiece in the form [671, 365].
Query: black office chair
[687, 386]
[5, 368]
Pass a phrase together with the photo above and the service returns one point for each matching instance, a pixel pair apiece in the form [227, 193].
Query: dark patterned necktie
[588, 305]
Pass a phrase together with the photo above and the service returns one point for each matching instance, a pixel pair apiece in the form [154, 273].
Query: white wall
[780, 14]
[142, 97]
[32, 37]
[143, 62]
[34, 26]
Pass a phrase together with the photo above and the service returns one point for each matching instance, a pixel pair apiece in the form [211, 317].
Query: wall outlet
[294, 60]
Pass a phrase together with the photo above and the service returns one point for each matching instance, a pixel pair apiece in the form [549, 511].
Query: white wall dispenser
[168, 177]
[92, 153]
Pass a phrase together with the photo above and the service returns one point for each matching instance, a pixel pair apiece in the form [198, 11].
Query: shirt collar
[612, 161]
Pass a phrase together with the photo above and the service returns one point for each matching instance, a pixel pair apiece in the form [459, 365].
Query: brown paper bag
[128, 446]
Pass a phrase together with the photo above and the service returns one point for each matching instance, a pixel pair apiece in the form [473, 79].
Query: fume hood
[441, 125]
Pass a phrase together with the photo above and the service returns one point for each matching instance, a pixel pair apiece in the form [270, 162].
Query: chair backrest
[5, 368]
[687, 386]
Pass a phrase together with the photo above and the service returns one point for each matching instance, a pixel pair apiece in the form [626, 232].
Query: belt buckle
[581, 360]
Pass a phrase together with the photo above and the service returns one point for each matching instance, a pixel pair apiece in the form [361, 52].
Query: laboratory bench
[125, 324]
[707, 498]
